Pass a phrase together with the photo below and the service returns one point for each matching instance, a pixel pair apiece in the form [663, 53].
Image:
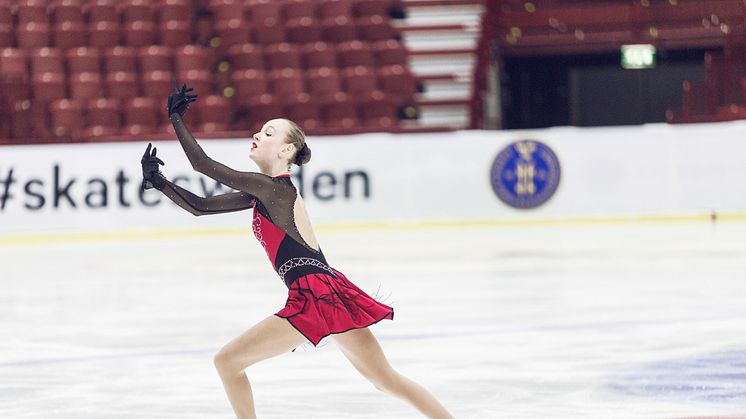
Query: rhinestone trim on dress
[296, 262]
[256, 227]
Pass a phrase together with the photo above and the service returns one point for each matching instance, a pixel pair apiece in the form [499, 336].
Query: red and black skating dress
[321, 300]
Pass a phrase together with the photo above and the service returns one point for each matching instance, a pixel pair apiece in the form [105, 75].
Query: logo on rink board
[525, 174]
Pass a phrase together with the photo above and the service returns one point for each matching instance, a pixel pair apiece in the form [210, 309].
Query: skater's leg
[270, 337]
[366, 355]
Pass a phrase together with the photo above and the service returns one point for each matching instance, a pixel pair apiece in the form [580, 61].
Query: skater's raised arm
[251, 182]
[197, 205]
[257, 184]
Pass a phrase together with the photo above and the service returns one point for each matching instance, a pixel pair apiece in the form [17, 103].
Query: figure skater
[321, 300]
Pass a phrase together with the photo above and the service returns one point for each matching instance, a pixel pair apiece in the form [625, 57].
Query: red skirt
[319, 305]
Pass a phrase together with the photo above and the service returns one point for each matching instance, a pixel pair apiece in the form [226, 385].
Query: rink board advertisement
[555, 173]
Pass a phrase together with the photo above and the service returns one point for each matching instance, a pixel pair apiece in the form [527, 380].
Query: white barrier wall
[620, 171]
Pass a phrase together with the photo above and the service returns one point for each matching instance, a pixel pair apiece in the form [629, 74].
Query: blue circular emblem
[525, 174]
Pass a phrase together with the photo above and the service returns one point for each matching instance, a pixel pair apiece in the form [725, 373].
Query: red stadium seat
[137, 11]
[191, 57]
[376, 28]
[67, 11]
[32, 11]
[304, 111]
[214, 114]
[83, 59]
[139, 33]
[85, 86]
[282, 55]
[319, 54]
[104, 34]
[47, 60]
[103, 112]
[397, 81]
[270, 31]
[155, 57]
[34, 118]
[200, 80]
[156, 84]
[32, 35]
[354, 53]
[203, 30]
[223, 10]
[262, 109]
[222, 80]
[333, 8]
[102, 11]
[303, 30]
[120, 58]
[122, 85]
[249, 83]
[48, 86]
[246, 56]
[175, 33]
[174, 10]
[323, 82]
[6, 15]
[15, 87]
[70, 35]
[362, 8]
[359, 79]
[15, 120]
[13, 62]
[95, 132]
[233, 32]
[340, 111]
[286, 83]
[377, 110]
[7, 38]
[140, 116]
[261, 10]
[389, 52]
[66, 117]
[339, 29]
[295, 9]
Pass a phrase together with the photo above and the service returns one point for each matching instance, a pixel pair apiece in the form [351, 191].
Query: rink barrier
[381, 226]
[374, 181]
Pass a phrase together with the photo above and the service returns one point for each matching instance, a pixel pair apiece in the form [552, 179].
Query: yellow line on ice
[336, 227]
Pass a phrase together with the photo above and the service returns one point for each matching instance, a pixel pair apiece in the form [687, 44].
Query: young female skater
[321, 300]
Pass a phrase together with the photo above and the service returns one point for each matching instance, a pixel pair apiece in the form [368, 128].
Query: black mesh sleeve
[198, 205]
[276, 194]
[257, 184]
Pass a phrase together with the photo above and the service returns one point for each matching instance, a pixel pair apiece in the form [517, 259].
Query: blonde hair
[297, 137]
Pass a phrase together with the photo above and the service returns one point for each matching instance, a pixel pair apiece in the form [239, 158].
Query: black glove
[151, 174]
[179, 100]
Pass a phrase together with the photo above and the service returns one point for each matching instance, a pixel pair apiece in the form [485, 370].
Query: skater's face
[268, 145]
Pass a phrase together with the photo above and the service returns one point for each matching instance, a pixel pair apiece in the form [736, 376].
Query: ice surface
[643, 320]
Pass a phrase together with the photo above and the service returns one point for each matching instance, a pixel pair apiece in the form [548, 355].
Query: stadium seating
[319, 54]
[155, 57]
[104, 112]
[108, 63]
[175, 10]
[66, 118]
[104, 34]
[121, 85]
[323, 82]
[83, 59]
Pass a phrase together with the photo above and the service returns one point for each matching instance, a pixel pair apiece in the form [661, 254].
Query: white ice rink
[626, 320]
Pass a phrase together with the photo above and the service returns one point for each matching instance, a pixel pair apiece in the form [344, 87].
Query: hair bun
[303, 155]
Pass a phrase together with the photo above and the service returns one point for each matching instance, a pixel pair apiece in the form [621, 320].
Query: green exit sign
[638, 56]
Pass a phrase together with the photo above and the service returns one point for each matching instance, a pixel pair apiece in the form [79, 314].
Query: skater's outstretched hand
[179, 99]
[151, 173]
